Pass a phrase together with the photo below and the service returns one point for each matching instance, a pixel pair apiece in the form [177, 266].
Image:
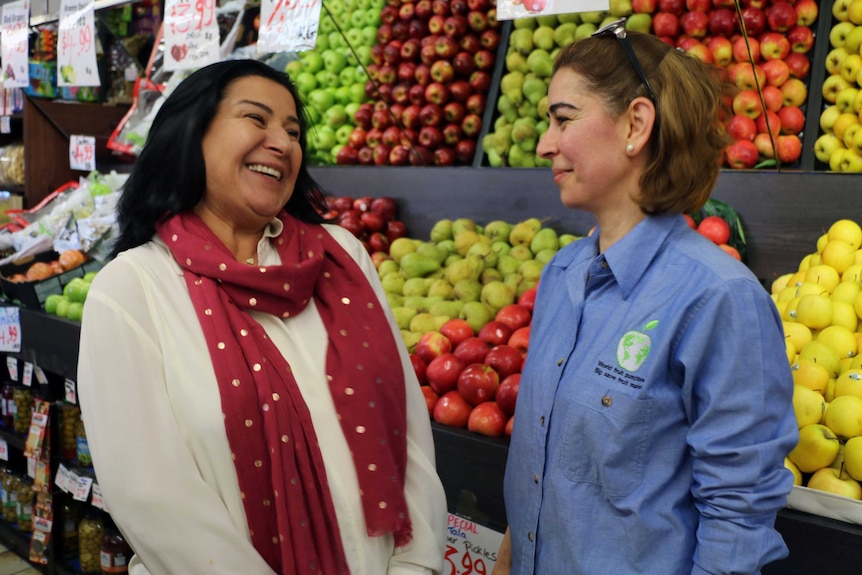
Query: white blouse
[152, 411]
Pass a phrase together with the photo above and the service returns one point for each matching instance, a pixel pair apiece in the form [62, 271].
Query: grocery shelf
[14, 440]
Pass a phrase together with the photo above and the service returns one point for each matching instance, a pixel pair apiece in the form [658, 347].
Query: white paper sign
[14, 32]
[511, 9]
[4, 450]
[191, 34]
[98, 499]
[10, 334]
[63, 478]
[71, 391]
[27, 380]
[76, 45]
[82, 153]
[471, 549]
[5, 121]
[288, 25]
[82, 489]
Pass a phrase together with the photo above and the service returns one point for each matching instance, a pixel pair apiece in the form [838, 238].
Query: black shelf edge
[15, 440]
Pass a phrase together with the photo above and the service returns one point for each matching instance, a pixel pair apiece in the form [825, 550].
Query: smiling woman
[282, 439]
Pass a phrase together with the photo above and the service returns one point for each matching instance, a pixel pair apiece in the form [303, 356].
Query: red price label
[184, 13]
[10, 336]
[463, 563]
[82, 152]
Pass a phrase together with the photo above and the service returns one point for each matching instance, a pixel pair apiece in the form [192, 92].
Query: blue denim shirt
[654, 413]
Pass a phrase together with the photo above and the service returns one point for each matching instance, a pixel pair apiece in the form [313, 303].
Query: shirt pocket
[605, 441]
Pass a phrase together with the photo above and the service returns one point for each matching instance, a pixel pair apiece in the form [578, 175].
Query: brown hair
[686, 149]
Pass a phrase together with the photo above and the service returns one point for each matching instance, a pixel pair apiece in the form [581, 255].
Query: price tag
[82, 153]
[98, 500]
[191, 34]
[82, 489]
[71, 391]
[14, 30]
[5, 122]
[31, 467]
[40, 375]
[4, 450]
[288, 25]
[512, 9]
[471, 549]
[76, 47]
[10, 331]
[41, 524]
[27, 380]
[62, 479]
[12, 366]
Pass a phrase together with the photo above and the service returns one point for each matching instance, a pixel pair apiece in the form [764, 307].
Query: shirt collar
[632, 255]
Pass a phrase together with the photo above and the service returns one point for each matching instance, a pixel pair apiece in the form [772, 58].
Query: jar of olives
[83, 448]
[26, 496]
[71, 512]
[10, 500]
[7, 403]
[23, 400]
[90, 533]
[116, 552]
[70, 416]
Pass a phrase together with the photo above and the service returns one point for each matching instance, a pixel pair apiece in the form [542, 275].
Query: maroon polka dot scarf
[286, 497]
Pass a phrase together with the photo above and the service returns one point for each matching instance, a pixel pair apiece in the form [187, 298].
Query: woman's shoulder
[131, 267]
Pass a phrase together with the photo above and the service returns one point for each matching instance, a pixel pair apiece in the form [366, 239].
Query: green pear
[400, 247]
[461, 225]
[549, 20]
[521, 253]
[523, 232]
[451, 259]
[424, 322]
[545, 239]
[467, 290]
[543, 38]
[410, 339]
[387, 266]
[573, 17]
[497, 295]
[498, 230]
[449, 309]
[516, 62]
[441, 288]
[467, 268]
[544, 256]
[483, 250]
[534, 89]
[393, 282]
[421, 303]
[564, 34]
[464, 241]
[507, 264]
[512, 85]
[524, 129]
[520, 158]
[403, 315]
[542, 111]
[525, 23]
[513, 281]
[441, 230]
[585, 30]
[494, 159]
[531, 269]
[414, 286]
[432, 250]
[592, 17]
[394, 299]
[507, 107]
[566, 239]
[540, 63]
[489, 275]
[502, 247]
[448, 246]
[521, 40]
[476, 314]
[417, 265]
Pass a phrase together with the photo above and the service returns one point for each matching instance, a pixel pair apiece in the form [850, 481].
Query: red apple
[741, 127]
[452, 410]
[754, 20]
[378, 242]
[769, 123]
[747, 103]
[454, 112]
[774, 46]
[484, 60]
[495, 333]
[460, 90]
[665, 24]
[465, 151]
[514, 315]
[698, 5]
[445, 47]
[487, 419]
[343, 203]
[464, 64]
[472, 350]
[432, 344]
[470, 43]
[528, 298]
[421, 156]
[764, 145]
[457, 330]
[436, 93]
[489, 40]
[399, 155]
[741, 50]
[431, 115]
[471, 125]
[741, 154]
[799, 65]
[505, 360]
[781, 16]
[510, 425]
[773, 97]
[478, 383]
[722, 22]
[444, 157]
[806, 12]
[792, 120]
[347, 156]
[430, 398]
[777, 72]
[443, 372]
[520, 340]
[456, 26]
[423, 9]
[366, 155]
[476, 104]
[480, 81]
[430, 137]
[452, 135]
[676, 7]
[801, 39]
[789, 148]
[395, 229]
[695, 24]
[507, 393]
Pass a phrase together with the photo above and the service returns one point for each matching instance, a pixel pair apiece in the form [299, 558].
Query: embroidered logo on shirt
[634, 346]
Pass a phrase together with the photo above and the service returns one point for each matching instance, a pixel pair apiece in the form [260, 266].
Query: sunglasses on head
[617, 30]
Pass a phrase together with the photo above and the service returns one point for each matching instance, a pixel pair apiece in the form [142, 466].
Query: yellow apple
[790, 466]
[797, 334]
[844, 315]
[850, 132]
[825, 145]
[816, 448]
[844, 416]
[836, 158]
[853, 458]
[807, 288]
[842, 122]
[853, 41]
[853, 274]
[836, 482]
[854, 12]
[828, 396]
[810, 374]
[828, 117]
[840, 10]
[856, 143]
[779, 283]
[840, 339]
[834, 59]
[848, 289]
[849, 383]
[824, 275]
[808, 406]
[851, 162]
[814, 310]
[822, 354]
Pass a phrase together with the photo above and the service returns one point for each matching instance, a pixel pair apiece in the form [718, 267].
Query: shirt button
[530, 535]
[604, 264]
[542, 421]
[560, 361]
[607, 401]
[535, 478]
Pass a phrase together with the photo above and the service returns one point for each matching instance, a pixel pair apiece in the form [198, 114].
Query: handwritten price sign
[13, 44]
[288, 25]
[191, 34]
[76, 50]
[10, 330]
[82, 153]
[471, 549]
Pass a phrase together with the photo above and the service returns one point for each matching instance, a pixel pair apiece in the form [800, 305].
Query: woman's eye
[256, 117]
[294, 134]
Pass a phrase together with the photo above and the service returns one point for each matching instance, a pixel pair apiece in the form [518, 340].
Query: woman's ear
[641, 119]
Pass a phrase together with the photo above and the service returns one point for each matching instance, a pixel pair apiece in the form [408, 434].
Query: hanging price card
[82, 153]
[82, 489]
[191, 34]
[14, 31]
[471, 549]
[76, 48]
[27, 380]
[71, 391]
[288, 25]
[10, 333]
[12, 367]
[4, 450]
[98, 501]
[63, 478]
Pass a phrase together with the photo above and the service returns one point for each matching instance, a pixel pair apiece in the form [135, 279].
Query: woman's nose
[547, 147]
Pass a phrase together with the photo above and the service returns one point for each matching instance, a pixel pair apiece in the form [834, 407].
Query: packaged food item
[90, 533]
[26, 497]
[10, 497]
[7, 419]
[12, 164]
[23, 400]
[70, 417]
[83, 449]
[116, 552]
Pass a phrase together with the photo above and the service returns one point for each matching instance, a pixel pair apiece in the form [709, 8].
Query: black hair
[169, 176]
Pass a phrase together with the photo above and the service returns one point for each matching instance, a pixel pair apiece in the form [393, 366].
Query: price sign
[288, 25]
[471, 549]
[14, 30]
[40, 375]
[27, 380]
[31, 467]
[76, 47]
[10, 334]
[5, 122]
[63, 478]
[82, 489]
[82, 153]
[98, 499]
[4, 450]
[512, 9]
[71, 391]
[191, 34]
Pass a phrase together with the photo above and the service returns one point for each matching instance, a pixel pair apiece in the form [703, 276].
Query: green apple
[640, 22]
[372, 18]
[342, 134]
[75, 311]
[321, 100]
[294, 67]
[357, 19]
[585, 30]
[305, 82]
[354, 37]
[343, 95]
[52, 301]
[351, 108]
[322, 43]
[312, 61]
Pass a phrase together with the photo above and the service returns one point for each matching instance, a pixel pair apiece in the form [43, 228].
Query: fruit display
[429, 79]
[463, 301]
[39, 284]
[769, 67]
[374, 221]
[821, 307]
[839, 146]
[720, 223]
[70, 304]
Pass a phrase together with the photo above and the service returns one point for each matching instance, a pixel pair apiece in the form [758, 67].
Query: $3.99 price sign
[471, 549]
[463, 563]
[191, 34]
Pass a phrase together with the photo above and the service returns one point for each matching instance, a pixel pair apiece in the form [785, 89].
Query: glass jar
[8, 407]
[72, 511]
[12, 164]
[82, 447]
[10, 501]
[116, 552]
[90, 533]
[70, 416]
[23, 399]
[26, 496]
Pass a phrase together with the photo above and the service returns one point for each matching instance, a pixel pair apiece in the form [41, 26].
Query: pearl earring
[630, 148]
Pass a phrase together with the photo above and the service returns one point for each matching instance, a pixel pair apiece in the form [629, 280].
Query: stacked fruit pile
[330, 79]
[840, 145]
[773, 57]
[821, 306]
[429, 79]
[70, 304]
[463, 293]
[374, 221]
